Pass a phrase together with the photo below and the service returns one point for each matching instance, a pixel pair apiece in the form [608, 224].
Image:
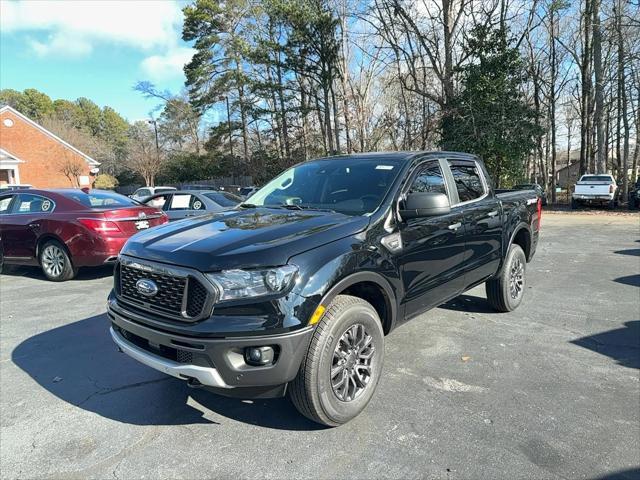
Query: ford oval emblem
[147, 287]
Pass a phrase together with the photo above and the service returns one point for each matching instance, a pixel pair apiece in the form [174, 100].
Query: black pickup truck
[295, 290]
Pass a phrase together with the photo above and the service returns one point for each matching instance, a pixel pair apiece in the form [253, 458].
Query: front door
[21, 226]
[431, 262]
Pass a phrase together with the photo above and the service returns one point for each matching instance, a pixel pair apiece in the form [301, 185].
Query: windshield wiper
[247, 205]
[306, 207]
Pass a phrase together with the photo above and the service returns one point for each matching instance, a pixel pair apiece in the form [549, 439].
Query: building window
[8, 122]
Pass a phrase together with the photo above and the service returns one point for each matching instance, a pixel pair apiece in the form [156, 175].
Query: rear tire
[574, 204]
[505, 291]
[56, 263]
[348, 343]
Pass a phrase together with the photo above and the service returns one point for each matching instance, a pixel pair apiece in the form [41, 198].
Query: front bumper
[216, 363]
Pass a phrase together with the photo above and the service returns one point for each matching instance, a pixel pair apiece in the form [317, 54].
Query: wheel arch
[44, 238]
[371, 287]
[523, 237]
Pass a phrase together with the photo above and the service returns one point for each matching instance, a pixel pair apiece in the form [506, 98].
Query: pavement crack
[107, 391]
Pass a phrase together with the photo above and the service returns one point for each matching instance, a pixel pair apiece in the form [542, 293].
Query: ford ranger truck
[295, 290]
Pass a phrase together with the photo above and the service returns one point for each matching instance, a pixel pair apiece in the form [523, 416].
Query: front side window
[143, 192]
[33, 204]
[430, 179]
[468, 181]
[5, 203]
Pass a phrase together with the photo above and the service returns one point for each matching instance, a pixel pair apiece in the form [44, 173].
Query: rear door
[431, 261]
[5, 209]
[482, 216]
[21, 227]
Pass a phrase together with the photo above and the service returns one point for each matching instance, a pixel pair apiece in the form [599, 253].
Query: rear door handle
[454, 226]
[492, 214]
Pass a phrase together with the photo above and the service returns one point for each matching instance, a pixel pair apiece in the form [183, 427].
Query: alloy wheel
[351, 367]
[53, 259]
[516, 278]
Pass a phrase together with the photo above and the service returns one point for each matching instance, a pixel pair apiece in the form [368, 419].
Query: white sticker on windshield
[384, 167]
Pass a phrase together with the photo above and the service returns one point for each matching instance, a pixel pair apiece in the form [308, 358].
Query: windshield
[97, 199]
[354, 186]
[224, 199]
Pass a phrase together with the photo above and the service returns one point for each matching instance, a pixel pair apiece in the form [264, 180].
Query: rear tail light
[539, 212]
[100, 226]
[164, 218]
[611, 188]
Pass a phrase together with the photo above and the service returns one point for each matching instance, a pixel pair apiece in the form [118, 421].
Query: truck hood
[260, 237]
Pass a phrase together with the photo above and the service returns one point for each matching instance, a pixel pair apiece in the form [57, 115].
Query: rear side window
[143, 192]
[181, 201]
[430, 179]
[33, 204]
[5, 203]
[468, 181]
[159, 201]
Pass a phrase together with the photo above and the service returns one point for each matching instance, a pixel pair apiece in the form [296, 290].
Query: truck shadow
[468, 303]
[634, 252]
[633, 280]
[620, 344]
[79, 364]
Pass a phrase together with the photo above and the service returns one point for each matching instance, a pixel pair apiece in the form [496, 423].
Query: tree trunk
[552, 99]
[622, 104]
[601, 162]
[585, 76]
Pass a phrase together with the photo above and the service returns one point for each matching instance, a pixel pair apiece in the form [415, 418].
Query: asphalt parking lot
[549, 391]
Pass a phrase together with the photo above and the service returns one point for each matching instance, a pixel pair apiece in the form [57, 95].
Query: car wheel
[56, 263]
[341, 369]
[611, 204]
[574, 204]
[505, 291]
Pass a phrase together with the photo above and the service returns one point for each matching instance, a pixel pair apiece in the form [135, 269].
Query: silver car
[191, 203]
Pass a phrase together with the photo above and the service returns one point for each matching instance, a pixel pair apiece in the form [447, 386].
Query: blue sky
[95, 49]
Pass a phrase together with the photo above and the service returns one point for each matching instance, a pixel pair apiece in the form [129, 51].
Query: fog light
[258, 356]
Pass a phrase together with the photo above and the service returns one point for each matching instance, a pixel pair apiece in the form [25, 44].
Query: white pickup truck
[590, 189]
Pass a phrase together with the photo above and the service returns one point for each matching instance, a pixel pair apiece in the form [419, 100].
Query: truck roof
[402, 156]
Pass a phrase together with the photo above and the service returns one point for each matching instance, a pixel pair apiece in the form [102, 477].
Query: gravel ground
[549, 391]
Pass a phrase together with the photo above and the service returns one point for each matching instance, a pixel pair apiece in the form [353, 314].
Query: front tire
[505, 292]
[342, 367]
[56, 263]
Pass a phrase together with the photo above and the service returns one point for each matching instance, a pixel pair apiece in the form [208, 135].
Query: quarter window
[430, 179]
[181, 201]
[468, 181]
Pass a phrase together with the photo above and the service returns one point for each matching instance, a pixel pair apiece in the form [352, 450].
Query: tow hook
[194, 383]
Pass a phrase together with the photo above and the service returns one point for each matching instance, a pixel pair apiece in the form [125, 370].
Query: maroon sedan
[61, 230]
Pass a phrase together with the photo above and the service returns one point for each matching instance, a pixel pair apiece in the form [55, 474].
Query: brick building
[31, 154]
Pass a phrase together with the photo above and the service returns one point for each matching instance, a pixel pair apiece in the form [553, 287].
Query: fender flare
[372, 277]
[520, 226]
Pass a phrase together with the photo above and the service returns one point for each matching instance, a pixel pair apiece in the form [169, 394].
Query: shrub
[106, 182]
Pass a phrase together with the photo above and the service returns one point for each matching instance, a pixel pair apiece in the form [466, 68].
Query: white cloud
[161, 67]
[73, 27]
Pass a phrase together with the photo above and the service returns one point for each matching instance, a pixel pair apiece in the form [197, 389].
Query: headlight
[238, 284]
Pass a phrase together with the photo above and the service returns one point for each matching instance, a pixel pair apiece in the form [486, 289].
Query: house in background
[31, 154]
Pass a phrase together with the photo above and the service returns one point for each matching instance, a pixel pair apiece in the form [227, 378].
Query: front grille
[180, 296]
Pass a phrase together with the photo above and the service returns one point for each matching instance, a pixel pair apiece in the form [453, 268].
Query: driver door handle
[454, 226]
[492, 214]
[34, 225]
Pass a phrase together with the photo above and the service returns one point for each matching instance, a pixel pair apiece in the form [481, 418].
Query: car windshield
[224, 199]
[99, 200]
[353, 186]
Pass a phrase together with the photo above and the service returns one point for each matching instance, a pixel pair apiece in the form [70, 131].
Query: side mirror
[425, 204]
